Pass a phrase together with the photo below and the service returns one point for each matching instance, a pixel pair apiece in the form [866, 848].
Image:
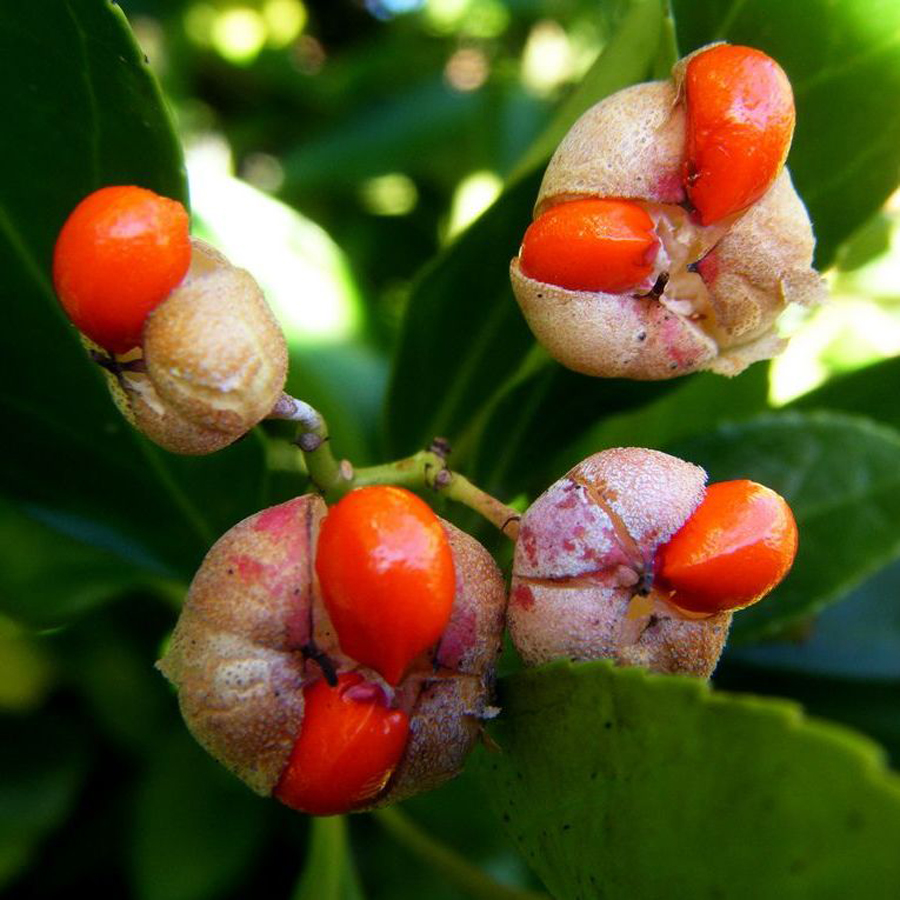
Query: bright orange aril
[119, 254]
[386, 572]
[740, 121]
[737, 546]
[347, 748]
[591, 245]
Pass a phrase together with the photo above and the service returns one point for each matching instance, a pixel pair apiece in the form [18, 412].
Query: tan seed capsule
[242, 654]
[714, 293]
[213, 360]
[582, 575]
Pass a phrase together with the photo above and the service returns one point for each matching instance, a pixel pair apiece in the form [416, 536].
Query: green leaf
[841, 477]
[517, 446]
[463, 333]
[872, 707]
[107, 660]
[619, 784]
[693, 406]
[869, 242]
[464, 337]
[328, 873]
[843, 59]
[43, 764]
[26, 672]
[863, 392]
[197, 828]
[86, 112]
[858, 638]
[388, 137]
[48, 579]
[641, 36]
[551, 420]
[311, 288]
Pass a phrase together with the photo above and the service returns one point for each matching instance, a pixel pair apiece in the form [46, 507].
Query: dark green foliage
[608, 783]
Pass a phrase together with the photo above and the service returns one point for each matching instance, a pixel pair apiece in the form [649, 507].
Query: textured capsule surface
[213, 360]
[254, 636]
[582, 576]
[717, 285]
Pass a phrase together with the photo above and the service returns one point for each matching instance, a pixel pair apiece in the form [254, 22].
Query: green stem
[428, 469]
[454, 867]
[667, 53]
[425, 469]
[327, 872]
[325, 472]
[503, 517]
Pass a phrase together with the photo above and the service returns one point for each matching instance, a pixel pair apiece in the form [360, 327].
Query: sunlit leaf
[618, 784]
[197, 827]
[464, 338]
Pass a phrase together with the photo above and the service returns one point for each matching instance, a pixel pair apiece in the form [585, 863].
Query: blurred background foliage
[341, 151]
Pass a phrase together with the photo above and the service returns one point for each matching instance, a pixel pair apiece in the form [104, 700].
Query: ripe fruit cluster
[340, 658]
[343, 658]
[195, 356]
[668, 237]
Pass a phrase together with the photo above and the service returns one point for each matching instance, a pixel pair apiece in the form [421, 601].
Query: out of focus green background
[374, 163]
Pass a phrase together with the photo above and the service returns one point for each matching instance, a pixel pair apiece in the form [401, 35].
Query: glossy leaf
[553, 419]
[386, 137]
[310, 286]
[86, 113]
[872, 707]
[863, 392]
[619, 784]
[843, 60]
[840, 476]
[518, 447]
[106, 660]
[692, 406]
[47, 579]
[642, 37]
